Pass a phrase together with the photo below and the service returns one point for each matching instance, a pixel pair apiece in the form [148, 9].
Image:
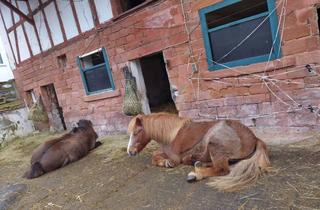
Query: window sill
[132, 10]
[100, 96]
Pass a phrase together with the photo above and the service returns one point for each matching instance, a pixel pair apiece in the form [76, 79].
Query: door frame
[136, 71]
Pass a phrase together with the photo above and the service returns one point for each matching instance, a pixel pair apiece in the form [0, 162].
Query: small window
[1, 61]
[226, 28]
[129, 4]
[62, 61]
[96, 72]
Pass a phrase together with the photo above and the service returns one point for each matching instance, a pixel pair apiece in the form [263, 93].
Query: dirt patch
[108, 179]
[10, 193]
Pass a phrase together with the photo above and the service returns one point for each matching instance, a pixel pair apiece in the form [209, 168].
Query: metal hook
[310, 69]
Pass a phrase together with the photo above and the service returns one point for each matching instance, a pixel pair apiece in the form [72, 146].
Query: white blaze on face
[130, 143]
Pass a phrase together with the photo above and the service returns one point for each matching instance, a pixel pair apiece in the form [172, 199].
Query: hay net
[131, 104]
[37, 112]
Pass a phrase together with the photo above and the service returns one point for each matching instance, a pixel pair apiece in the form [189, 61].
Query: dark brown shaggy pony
[223, 148]
[61, 151]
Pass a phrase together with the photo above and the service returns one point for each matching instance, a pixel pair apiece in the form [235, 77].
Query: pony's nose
[132, 153]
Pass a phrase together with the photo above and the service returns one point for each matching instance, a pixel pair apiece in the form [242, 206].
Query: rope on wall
[268, 81]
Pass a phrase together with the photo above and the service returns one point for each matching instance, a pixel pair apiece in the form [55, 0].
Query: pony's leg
[218, 167]
[162, 160]
[192, 159]
[188, 160]
[199, 164]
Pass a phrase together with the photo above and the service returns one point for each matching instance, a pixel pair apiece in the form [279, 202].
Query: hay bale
[131, 103]
[37, 112]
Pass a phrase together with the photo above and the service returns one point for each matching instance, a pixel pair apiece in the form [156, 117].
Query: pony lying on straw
[223, 148]
[61, 151]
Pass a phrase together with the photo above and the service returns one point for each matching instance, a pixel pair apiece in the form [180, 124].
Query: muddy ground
[108, 179]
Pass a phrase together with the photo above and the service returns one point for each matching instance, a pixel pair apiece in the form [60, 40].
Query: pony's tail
[246, 172]
[35, 171]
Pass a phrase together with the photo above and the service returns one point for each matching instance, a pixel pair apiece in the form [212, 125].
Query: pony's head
[138, 136]
[84, 123]
[85, 126]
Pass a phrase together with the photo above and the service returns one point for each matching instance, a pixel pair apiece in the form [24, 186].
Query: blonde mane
[161, 127]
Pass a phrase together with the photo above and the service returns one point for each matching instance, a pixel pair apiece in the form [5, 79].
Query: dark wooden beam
[74, 12]
[46, 24]
[60, 21]
[31, 13]
[16, 25]
[4, 23]
[41, 6]
[16, 37]
[34, 27]
[26, 36]
[94, 13]
[19, 12]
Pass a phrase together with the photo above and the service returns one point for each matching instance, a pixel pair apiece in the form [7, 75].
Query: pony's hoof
[97, 144]
[197, 164]
[169, 164]
[191, 177]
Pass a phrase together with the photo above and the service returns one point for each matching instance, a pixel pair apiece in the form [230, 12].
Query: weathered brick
[227, 111]
[268, 121]
[209, 112]
[304, 118]
[235, 92]
[234, 100]
[296, 46]
[255, 99]
[296, 32]
[215, 102]
[257, 89]
[247, 110]
[306, 15]
[265, 108]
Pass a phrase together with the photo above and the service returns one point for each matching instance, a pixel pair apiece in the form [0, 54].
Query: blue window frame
[95, 72]
[226, 26]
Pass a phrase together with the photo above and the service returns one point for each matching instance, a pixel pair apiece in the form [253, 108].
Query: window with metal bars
[240, 32]
[95, 72]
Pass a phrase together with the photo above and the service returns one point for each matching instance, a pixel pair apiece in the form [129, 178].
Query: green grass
[11, 105]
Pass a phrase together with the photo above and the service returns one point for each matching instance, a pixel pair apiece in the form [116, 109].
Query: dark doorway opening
[129, 4]
[157, 84]
[55, 112]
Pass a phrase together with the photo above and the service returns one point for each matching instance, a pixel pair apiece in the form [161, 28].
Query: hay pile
[37, 112]
[131, 103]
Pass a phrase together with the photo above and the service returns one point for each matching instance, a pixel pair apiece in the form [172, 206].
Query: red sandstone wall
[131, 37]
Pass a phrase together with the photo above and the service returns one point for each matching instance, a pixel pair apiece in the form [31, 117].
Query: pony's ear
[139, 121]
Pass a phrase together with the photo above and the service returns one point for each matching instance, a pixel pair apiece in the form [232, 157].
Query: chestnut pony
[61, 151]
[223, 148]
